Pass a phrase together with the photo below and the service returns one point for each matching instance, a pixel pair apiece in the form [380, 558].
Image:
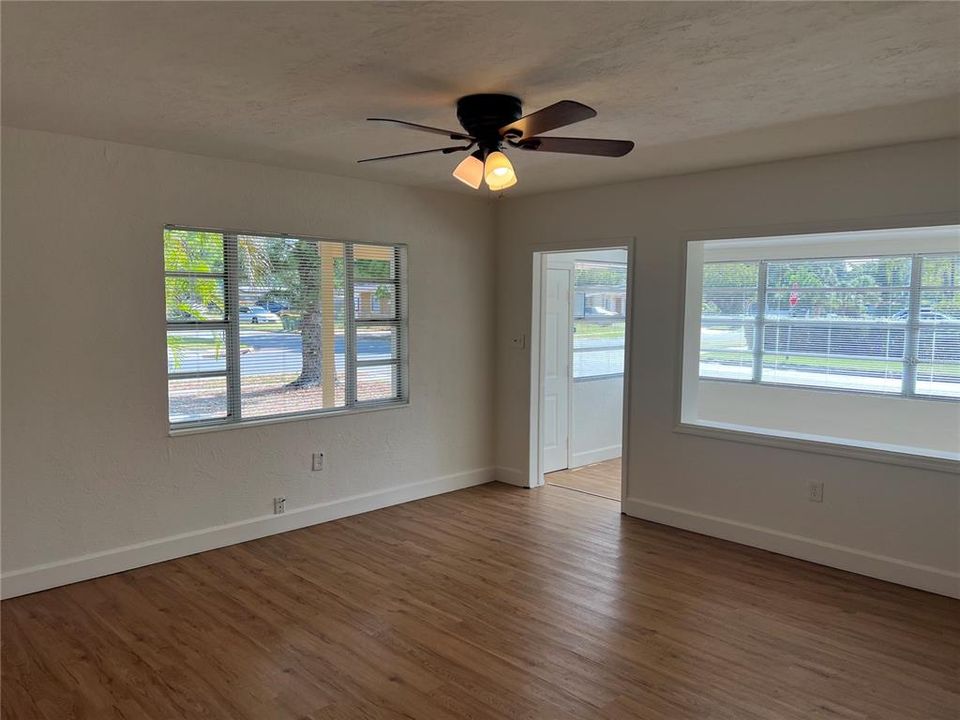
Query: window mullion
[400, 307]
[231, 263]
[911, 337]
[759, 326]
[349, 329]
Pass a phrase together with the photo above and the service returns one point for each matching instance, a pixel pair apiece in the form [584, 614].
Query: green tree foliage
[198, 296]
[613, 276]
[872, 287]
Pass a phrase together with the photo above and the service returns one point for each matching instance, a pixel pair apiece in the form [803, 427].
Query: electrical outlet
[317, 461]
[816, 491]
[279, 505]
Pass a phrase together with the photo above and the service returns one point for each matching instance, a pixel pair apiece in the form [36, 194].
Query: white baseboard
[512, 476]
[85, 567]
[589, 457]
[924, 577]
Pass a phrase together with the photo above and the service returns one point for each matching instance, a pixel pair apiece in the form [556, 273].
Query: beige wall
[88, 466]
[891, 521]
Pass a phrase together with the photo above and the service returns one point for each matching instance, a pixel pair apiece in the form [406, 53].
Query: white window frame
[911, 326]
[940, 231]
[230, 325]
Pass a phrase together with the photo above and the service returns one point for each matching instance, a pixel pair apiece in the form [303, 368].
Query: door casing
[539, 253]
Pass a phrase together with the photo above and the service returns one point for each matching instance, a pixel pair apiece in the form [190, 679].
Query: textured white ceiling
[696, 85]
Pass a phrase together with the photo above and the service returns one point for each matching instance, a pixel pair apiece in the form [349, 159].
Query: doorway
[580, 327]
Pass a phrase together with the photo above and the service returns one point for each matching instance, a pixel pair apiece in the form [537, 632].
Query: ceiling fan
[491, 121]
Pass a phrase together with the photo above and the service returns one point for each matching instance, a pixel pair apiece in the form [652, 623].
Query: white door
[556, 369]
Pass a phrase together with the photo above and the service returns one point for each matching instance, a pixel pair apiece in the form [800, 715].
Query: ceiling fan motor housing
[483, 115]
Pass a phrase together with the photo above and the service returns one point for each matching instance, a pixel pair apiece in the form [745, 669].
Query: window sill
[811, 443]
[373, 407]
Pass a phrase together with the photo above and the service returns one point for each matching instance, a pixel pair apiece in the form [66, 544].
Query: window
[848, 338]
[268, 326]
[599, 319]
[887, 324]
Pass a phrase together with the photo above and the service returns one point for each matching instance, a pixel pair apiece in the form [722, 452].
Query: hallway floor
[601, 479]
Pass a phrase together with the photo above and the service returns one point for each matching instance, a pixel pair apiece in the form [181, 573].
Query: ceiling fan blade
[445, 151]
[577, 146]
[558, 115]
[452, 134]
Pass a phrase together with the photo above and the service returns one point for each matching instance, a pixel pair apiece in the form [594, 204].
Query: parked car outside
[598, 312]
[255, 314]
[276, 306]
[926, 313]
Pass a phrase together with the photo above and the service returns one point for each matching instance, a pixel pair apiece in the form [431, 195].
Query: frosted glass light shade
[498, 171]
[470, 170]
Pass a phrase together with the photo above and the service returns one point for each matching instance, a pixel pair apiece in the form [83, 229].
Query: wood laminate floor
[492, 602]
[602, 478]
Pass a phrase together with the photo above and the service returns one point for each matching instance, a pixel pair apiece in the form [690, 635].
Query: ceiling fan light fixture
[498, 171]
[491, 120]
[470, 170]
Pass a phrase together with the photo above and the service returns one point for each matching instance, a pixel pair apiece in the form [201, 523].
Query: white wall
[900, 523]
[88, 467]
[597, 413]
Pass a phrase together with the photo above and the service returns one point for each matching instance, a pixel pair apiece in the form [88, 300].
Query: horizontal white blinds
[887, 324]
[262, 326]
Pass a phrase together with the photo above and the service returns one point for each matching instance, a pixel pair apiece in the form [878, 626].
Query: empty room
[544, 360]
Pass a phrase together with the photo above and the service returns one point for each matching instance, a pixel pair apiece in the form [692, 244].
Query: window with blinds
[599, 319]
[869, 323]
[273, 326]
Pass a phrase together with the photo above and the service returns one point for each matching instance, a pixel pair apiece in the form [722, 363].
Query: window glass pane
[190, 299]
[730, 290]
[598, 347]
[938, 355]
[600, 290]
[374, 301]
[374, 262]
[377, 342]
[291, 330]
[196, 351]
[938, 379]
[864, 288]
[377, 382]
[853, 304]
[197, 399]
[938, 341]
[879, 272]
[599, 311]
[852, 356]
[594, 363]
[603, 276]
[939, 306]
[726, 350]
[941, 302]
[595, 333]
[940, 271]
[192, 251]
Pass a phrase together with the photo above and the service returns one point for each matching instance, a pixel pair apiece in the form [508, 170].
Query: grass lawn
[600, 330]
